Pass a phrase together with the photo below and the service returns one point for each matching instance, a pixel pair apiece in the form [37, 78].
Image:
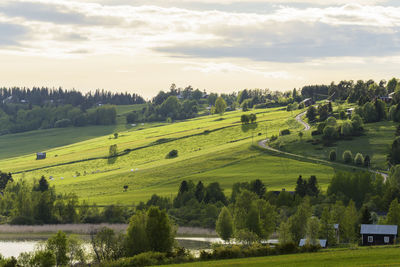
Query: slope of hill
[210, 148]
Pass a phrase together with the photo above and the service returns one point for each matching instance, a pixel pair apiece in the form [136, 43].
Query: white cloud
[217, 68]
[75, 28]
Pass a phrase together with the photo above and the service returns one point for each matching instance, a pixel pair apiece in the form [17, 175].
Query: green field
[13, 145]
[211, 149]
[350, 257]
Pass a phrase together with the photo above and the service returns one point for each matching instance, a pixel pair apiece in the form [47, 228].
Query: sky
[143, 46]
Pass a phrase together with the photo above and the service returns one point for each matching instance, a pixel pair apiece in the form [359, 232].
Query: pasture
[211, 148]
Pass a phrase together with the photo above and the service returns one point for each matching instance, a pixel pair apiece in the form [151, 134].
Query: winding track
[307, 127]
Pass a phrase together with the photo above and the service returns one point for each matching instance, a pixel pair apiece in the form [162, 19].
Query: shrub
[330, 133]
[357, 122]
[321, 127]
[22, 220]
[331, 121]
[285, 132]
[227, 252]
[346, 129]
[259, 106]
[253, 118]
[332, 155]
[43, 258]
[143, 259]
[244, 119]
[347, 156]
[359, 159]
[172, 154]
[313, 133]
[367, 161]
[204, 255]
[287, 248]
[310, 248]
[274, 137]
[62, 123]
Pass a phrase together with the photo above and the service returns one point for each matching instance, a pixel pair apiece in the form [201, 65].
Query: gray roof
[378, 229]
[322, 242]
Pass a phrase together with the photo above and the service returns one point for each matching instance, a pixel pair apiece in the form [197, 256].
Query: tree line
[44, 95]
[15, 118]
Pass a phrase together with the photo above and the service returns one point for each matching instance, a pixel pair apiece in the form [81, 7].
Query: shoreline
[44, 231]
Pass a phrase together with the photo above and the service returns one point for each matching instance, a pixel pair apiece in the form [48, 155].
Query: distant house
[322, 242]
[374, 234]
[386, 99]
[40, 155]
[349, 111]
[307, 102]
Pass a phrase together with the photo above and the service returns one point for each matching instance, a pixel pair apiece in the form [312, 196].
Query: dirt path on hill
[264, 144]
[305, 124]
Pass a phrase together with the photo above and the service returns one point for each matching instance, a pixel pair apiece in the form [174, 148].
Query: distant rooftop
[377, 229]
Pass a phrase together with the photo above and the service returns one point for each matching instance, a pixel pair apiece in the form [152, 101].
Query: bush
[359, 159]
[332, 155]
[274, 137]
[357, 123]
[245, 119]
[321, 127]
[22, 220]
[346, 129]
[330, 133]
[331, 121]
[172, 154]
[62, 123]
[43, 258]
[285, 132]
[143, 259]
[310, 248]
[287, 248]
[347, 156]
[260, 106]
[313, 133]
[227, 252]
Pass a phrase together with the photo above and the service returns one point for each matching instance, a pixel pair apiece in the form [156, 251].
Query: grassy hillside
[360, 257]
[13, 145]
[211, 148]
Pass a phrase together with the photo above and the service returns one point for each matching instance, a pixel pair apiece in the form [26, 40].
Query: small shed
[349, 111]
[322, 242]
[375, 234]
[40, 155]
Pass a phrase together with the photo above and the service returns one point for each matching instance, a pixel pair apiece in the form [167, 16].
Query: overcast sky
[218, 45]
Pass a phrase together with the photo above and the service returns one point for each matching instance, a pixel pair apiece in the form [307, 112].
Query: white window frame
[370, 239]
[386, 239]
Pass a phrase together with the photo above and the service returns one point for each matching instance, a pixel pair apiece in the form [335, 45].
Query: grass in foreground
[373, 256]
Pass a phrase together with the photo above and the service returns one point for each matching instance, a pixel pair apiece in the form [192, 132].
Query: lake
[10, 248]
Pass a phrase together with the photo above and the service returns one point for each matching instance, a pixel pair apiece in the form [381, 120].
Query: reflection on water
[10, 248]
